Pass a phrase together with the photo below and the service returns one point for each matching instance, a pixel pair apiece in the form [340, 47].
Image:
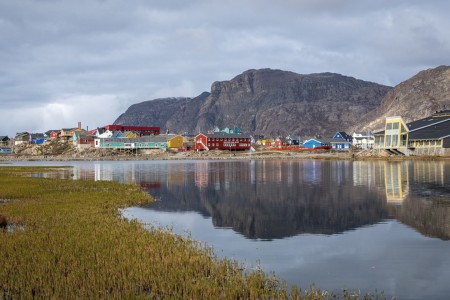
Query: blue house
[342, 135]
[341, 141]
[313, 143]
[36, 138]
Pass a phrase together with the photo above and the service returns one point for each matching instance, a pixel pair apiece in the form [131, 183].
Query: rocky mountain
[416, 98]
[266, 101]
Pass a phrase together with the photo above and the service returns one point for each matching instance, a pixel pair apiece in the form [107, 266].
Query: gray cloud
[117, 53]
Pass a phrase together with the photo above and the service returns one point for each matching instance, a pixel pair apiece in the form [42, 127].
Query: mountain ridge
[415, 98]
[265, 101]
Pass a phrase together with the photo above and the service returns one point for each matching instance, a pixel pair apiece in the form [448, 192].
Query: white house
[363, 140]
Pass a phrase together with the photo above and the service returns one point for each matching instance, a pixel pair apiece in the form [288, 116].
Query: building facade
[222, 141]
[427, 136]
[147, 142]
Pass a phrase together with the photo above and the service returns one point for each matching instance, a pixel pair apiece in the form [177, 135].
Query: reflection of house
[201, 174]
[430, 135]
[396, 182]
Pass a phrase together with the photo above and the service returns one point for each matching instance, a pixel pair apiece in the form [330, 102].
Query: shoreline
[217, 155]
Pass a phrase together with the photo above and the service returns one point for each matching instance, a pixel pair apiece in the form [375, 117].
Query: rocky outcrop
[270, 102]
[413, 99]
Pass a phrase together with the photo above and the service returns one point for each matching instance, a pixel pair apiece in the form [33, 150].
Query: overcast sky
[67, 61]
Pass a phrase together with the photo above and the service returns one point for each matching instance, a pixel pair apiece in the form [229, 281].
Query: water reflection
[276, 199]
[392, 218]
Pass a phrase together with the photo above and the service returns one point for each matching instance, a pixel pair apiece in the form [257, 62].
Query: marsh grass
[74, 244]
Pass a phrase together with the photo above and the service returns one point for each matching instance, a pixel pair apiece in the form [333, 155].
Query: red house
[281, 142]
[222, 141]
[53, 134]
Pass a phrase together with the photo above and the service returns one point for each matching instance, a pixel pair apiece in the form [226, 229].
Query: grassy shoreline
[67, 239]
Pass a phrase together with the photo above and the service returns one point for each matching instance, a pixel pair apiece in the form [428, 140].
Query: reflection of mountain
[277, 199]
[429, 216]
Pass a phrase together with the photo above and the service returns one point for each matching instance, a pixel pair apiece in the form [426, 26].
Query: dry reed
[68, 240]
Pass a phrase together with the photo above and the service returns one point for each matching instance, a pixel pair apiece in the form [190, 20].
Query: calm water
[338, 224]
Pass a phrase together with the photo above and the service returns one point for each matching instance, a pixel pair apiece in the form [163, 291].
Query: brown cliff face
[416, 98]
[269, 102]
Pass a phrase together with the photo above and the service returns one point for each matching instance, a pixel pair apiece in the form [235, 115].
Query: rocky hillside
[415, 98]
[270, 102]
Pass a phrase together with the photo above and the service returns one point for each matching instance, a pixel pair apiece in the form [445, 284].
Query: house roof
[343, 134]
[226, 135]
[81, 134]
[438, 117]
[436, 131]
[318, 140]
[362, 134]
[50, 131]
[4, 138]
[37, 136]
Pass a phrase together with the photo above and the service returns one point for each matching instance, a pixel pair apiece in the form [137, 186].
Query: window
[395, 125]
[388, 126]
[395, 140]
[388, 141]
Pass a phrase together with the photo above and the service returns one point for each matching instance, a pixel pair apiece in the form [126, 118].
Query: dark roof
[436, 131]
[343, 134]
[4, 138]
[226, 135]
[438, 117]
[50, 131]
[37, 135]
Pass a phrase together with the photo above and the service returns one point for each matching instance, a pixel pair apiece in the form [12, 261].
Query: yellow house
[265, 142]
[395, 133]
[174, 141]
[427, 136]
[130, 135]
